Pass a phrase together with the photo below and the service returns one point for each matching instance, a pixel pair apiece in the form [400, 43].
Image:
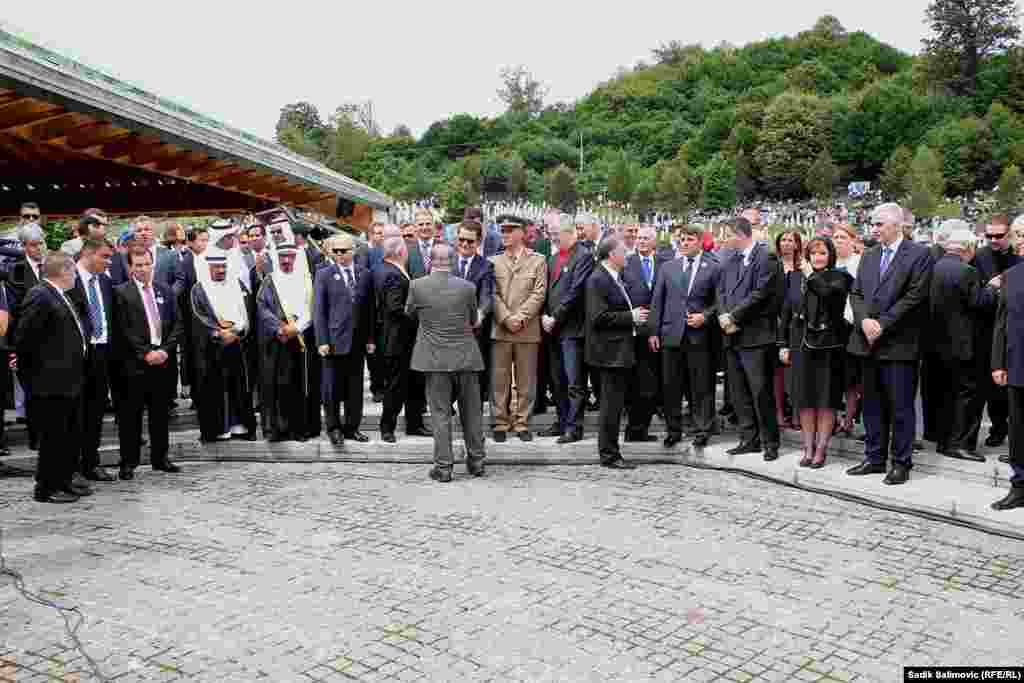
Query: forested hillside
[784, 118]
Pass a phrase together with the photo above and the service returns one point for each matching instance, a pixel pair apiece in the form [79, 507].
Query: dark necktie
[688, 273]
[95, 313]
[350, 281]
[463, 266]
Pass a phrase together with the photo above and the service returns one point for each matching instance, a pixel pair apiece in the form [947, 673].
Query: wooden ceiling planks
[34, 132]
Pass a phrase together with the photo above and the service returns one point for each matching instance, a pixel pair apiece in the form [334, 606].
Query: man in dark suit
[418, 263]
[149, 328]
[469, 265]
[343, 315]
[749, 299]
[50, 339]
[957, 303]
[889, 302]
[682, 328]
[640, 276]
[1008, 371]
[396, 335]
[94, 296]
[448, 355]
[564, 322]
[165, 261]
[991, 261]
[610, 330]
[184, 281]
[25, 274]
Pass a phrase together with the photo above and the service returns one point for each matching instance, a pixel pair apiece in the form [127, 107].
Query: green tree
[621, 180]
[296, 140]
[520, 91]
[1011, 182]
[677, 187]
[966, 148]
[895, 179]
[718, 184]
[927, 184]
[796, 129]
[964, 32]
[347, 142]
[645, 192]
[830, 27]
[822, 177]
[560, 188]
[746, 176]
[304, 118]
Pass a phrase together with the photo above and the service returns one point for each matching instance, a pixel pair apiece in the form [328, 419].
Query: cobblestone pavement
[287, 572]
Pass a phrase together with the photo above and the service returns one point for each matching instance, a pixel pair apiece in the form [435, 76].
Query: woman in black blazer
[813, 336]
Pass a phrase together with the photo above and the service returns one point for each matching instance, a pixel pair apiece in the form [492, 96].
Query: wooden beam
[55, 127]
[15, 102]
[31, 119]
[94, 134]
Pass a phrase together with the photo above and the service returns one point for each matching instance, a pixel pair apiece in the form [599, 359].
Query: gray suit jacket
[446, 308]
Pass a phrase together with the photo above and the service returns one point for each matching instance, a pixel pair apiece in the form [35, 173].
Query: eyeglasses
[342, 251]
[30, 216]
[509, 228]
[424, 225]
[277, 232]
[993, 236]
[467, 240]
[877, 224]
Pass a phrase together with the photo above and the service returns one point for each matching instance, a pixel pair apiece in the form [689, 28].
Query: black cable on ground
[66, 613]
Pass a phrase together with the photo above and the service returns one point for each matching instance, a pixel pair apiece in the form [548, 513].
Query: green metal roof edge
[48, 58]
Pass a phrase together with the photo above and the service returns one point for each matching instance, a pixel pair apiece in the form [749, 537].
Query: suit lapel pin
[159, 299]
[337, 277]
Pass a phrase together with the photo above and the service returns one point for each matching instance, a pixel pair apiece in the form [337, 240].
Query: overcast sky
[417, 61]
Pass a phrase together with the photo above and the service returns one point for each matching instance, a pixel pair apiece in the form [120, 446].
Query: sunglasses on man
[341, 251]
[467, 240]
[30, 216]
[995, 235]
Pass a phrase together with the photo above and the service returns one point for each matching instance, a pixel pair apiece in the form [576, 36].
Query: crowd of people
[256, 319]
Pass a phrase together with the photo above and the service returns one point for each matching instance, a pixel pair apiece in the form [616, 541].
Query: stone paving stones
[369, 572]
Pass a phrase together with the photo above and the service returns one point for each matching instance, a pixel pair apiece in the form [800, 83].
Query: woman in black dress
[790, 250]
[812, 339]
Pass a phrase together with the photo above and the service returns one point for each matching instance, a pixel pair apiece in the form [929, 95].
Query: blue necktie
[886, 258]
[95, 313]
[648, 271]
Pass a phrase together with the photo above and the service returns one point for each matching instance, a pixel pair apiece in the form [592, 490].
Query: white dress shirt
[87, 278]
[154, 330]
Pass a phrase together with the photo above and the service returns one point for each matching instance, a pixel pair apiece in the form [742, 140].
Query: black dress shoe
[99, 474]
[618, 464]
[475, 468]
[126, 474]
[726, 410]
[76, 490]
[745, 447]
[1013, 499]
[525, 436]
[301, 438]
[248, 436]
[961, 454]
[1005, 457]
[378, 397]
[671, 440]
[442, 474]
[553, 430]
[33, 444]
[335, 437]
[54, 496]
[899, 474]
[276, 437]
[166, 466]
[771, 453]
[388, 437]
[994, 440]
[419, 431]
[499, 437]
[357, 436]
[700, 441]
[867, 467]
[79, 485]
[570, 437]
[918, 445]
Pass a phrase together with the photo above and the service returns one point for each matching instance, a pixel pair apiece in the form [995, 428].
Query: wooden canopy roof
[72, 137]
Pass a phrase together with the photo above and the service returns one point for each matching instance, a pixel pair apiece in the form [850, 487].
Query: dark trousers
[6, 391]
[483, 341]
[59, 421]
[313, 398]
[751, 387]
[377, 378]
[1015, 410]
[952, 394]
[888, 404]
[567, 381]
[172, 376]
[346, 374]
[681, 367]
[644, 389]
[403, 388]
[995, 397]
[613, 400]
[94, 404]
[146, 391]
